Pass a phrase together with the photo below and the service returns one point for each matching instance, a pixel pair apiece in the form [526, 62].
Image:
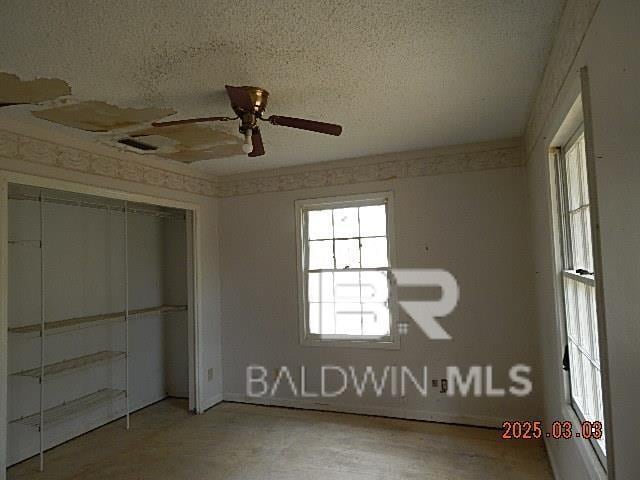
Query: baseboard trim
[391, 412]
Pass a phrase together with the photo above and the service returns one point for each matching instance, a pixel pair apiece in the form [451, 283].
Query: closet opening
[100, 314]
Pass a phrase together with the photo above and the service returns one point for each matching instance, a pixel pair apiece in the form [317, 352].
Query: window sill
[391, 344]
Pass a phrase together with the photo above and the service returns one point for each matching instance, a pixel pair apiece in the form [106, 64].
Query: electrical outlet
[210, 374]
[444, 385]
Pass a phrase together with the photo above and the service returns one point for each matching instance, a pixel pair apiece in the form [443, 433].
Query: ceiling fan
[249, 104]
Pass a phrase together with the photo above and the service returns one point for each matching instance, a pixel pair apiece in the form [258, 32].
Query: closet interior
[99, 313]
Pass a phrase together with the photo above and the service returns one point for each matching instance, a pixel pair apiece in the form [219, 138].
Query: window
[582, 355]
[344, 267]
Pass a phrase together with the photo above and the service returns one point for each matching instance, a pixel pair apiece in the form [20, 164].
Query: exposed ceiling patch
[190, 156]
[191, 136]
[94, 116]
[14, 91]
[183, 143]
[193, 143]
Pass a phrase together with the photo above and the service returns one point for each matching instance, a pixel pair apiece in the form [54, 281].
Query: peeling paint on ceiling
[398, 75]
[211, 153]
[191, 135]
[192, 142]
[14, 91]
[94, 116]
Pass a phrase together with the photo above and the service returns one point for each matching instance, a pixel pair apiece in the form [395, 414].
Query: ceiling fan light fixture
[249, 104]
[247, 146]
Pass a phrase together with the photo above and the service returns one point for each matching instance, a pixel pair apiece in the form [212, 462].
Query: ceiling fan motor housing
[247, 115]
[258, 97]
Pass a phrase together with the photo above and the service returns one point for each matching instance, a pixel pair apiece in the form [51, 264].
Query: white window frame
[567, 271]
[392, 341]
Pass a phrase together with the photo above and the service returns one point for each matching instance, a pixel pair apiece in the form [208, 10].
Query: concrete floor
[244, 442]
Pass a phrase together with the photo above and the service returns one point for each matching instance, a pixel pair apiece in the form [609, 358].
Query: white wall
[147, 375]
[610, 51]
[209, 334]
[474, 225]
[175, 292]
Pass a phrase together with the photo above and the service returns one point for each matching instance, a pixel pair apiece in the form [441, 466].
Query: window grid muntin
[580, 358]
[386, 269]
[576, 205]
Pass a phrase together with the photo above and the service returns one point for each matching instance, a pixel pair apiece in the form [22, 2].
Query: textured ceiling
[398, 75]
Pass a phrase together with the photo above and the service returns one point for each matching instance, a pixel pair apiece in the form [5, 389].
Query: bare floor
[244, 442]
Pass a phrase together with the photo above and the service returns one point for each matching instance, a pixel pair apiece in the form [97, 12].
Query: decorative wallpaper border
[33, 150]
[575, 21]
[385, 167]
[427, 164]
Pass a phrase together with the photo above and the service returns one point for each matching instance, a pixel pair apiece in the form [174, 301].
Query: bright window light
[345, 267]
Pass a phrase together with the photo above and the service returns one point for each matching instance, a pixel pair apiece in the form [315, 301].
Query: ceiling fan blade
[303, 124]
[192, 120]
[256, 140]
[240, 97]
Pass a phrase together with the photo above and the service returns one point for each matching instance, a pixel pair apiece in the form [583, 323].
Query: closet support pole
[42, 319]
[126, 306]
